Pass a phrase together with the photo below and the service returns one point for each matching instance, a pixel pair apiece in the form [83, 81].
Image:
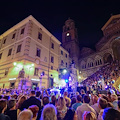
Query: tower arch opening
[116, 49]
[107, 58]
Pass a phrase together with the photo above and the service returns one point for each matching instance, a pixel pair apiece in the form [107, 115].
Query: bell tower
[70, 40]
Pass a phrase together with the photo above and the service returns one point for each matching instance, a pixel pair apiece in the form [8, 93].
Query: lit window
[68, 34]
[18, 48]
[39, 36]
[10, 51]
[38, 52]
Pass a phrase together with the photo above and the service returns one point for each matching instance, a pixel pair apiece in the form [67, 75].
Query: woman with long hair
[65, 113]
[49, 112]
[19, 103]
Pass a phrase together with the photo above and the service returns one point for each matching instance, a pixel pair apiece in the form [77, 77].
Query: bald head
[25, 115]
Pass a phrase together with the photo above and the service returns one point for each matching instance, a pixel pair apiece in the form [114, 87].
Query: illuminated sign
[35, 79]
[12, 79]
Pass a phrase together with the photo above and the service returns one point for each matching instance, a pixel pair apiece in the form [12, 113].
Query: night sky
[89, 16]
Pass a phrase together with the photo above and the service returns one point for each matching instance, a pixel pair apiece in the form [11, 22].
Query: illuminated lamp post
[66, 77]
[41, 75]
[64, 71]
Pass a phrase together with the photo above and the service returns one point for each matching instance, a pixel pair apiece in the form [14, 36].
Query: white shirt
[96, 108]
[81, 109]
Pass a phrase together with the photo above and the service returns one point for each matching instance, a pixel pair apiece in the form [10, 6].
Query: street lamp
[41, 75]
[14, 63]
[64, 71]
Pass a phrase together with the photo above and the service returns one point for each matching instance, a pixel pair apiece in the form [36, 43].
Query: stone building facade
[27, 50]
[107, 49]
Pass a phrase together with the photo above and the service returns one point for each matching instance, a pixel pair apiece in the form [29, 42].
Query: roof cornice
[26, 20]
[110, 19]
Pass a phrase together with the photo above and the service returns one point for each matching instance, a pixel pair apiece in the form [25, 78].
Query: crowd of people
[85, 104]
[108, 73]
[40, 105]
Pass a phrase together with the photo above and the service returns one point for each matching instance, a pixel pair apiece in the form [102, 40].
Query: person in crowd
[95, 104]
[67, 99]
[15, 96]
[89, 116]
[45, 100]
[102, 104]
[111, 114]
[49, 112]
[34, 109]
[82, 93]
[53, 99]
[77, 93]
[84, 107]
[61, 108]
[25, 115]
[21, 99]
[118, 97]
[109, 104]
[38, 93]
[3, 107]
[20, 102]
[12, 112]
[109, 96]
[32, 101]
[56, 102]
[1, 96]
[8, 93]
[119, 105]
[73, 100]
[78, 102]
[114, 99]
[105, 97]
[6, 97]
[64, 113]
[44, 93]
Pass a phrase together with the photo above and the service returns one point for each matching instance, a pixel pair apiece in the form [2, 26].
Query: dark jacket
[12, 114]
[32, 101]
[4, 117]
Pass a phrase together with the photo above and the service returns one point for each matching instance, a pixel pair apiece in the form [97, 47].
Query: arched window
[92, 64]
[88, 64]
[100, 61]
[96, 63]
